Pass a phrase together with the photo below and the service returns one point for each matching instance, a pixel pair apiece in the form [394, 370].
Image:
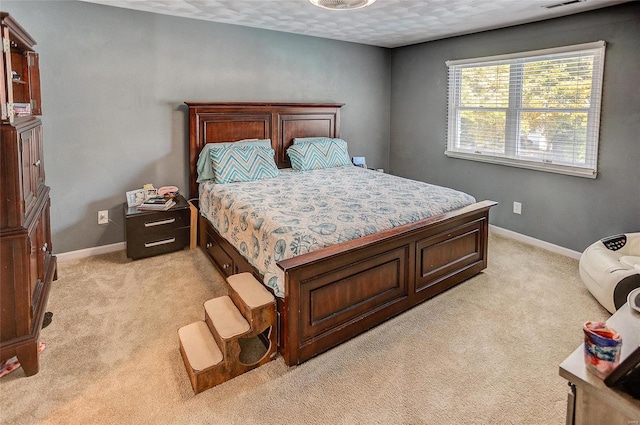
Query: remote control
[614, 243]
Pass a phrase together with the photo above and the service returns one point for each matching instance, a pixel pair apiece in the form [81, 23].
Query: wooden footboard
[336, 293]
[339, 292]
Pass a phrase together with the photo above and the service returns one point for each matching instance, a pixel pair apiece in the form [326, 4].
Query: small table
[150, 233]
[590, 400]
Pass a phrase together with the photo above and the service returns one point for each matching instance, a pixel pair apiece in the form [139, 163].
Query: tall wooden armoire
[27, 267]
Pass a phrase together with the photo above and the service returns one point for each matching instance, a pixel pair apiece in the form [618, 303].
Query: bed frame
[336, 293]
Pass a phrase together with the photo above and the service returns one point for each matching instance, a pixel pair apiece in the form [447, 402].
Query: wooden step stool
[211, 349]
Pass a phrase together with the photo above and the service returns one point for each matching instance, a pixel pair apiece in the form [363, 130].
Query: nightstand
[150, 233]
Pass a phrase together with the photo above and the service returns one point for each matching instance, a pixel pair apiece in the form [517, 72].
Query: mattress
[298, 212]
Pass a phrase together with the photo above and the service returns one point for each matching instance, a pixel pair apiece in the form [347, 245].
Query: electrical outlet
[103, 217]
[517, 208]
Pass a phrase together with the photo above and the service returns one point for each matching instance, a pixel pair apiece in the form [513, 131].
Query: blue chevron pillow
[205, 170]
[319, 154]
[242, 163]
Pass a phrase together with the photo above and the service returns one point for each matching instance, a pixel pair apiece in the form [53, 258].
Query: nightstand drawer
[156, 223]
[151, 233]
[155, 244]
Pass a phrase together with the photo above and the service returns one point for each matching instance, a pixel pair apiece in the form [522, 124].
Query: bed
[331, 294]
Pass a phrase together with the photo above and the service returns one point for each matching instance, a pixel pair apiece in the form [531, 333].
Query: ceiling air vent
[342, 4]
[566, 3]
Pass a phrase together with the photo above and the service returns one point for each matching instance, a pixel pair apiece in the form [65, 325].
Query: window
[538, 110]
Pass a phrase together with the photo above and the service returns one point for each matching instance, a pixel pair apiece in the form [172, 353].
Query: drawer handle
[44, 247]
[162, 242]
[209, 245]
[37, 163]
[226, 266]
[159, 222]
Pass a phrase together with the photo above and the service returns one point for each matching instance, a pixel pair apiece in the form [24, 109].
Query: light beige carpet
[484, 352]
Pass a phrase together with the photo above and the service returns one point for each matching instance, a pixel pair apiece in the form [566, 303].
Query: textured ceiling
[386, 23]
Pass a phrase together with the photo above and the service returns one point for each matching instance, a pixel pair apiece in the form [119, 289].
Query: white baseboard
[535, 242]
[89, 252]
[104, 249]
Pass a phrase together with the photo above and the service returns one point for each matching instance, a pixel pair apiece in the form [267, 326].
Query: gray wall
[114, 82]
[571, 212]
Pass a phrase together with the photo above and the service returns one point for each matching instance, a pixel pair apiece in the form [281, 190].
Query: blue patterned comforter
[298, 212]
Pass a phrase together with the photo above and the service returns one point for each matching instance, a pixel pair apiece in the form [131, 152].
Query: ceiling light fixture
[342, 4]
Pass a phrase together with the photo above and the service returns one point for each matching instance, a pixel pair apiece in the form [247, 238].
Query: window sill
[549, 168]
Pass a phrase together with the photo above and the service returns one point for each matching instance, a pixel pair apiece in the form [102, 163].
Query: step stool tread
[226, 317]
[199, 346]
[253, 293]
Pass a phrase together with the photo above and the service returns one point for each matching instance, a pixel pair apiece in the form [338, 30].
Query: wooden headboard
[280, 122]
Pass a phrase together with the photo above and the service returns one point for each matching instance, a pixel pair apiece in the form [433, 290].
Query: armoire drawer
[27, 279]
[21, 171]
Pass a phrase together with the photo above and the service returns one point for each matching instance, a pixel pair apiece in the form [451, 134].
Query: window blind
[537, 110]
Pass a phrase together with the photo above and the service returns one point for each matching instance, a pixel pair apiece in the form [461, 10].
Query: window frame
[515, 109]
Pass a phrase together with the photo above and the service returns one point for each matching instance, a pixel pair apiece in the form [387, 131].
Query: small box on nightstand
[150, 233]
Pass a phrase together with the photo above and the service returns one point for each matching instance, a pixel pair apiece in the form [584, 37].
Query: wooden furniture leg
[28, 357]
